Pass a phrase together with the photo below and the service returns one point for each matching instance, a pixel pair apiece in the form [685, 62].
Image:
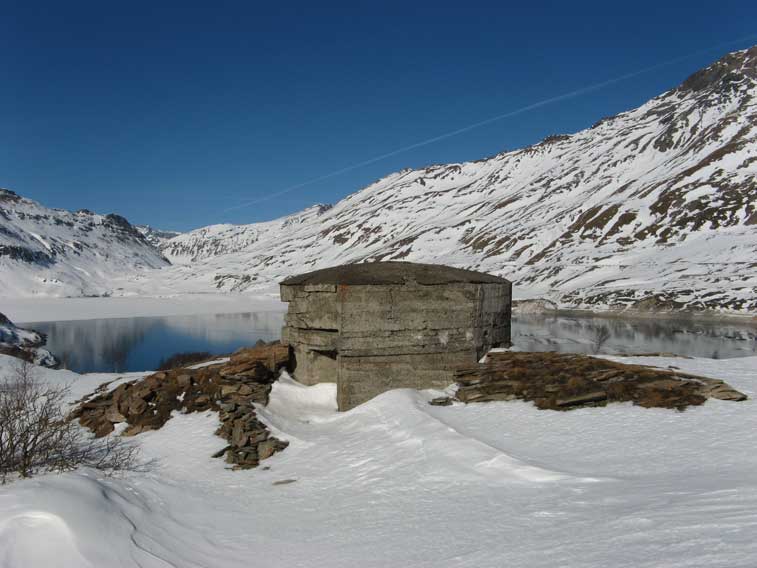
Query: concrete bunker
[378, 326]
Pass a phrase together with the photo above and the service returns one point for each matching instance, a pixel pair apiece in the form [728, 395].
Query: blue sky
[170, 113]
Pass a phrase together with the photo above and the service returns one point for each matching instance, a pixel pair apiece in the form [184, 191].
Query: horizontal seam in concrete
[395, 354]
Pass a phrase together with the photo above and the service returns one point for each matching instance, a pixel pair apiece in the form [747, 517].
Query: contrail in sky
[521, 110]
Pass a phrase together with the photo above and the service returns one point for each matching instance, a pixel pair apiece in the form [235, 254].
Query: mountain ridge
[45, 251]
[650, 207]
[653, 208]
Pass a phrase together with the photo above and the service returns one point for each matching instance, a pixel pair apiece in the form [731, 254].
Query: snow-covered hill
[655, 207]
[218, 240]
[53, 252]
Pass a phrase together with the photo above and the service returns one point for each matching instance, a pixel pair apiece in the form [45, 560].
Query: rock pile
[230, 388]
[559, 381]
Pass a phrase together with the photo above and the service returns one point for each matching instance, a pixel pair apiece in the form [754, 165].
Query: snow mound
[20, 537]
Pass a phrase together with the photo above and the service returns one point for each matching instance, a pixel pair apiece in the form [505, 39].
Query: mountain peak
[731, 68]
[8, 195]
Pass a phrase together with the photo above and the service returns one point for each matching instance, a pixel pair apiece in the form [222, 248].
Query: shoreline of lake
[713, 317]
[46, 309]
[139, 343]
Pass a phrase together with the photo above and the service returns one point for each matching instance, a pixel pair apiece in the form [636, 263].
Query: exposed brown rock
[564, 381]
[112, 415]
[582, 399]
[230, 388]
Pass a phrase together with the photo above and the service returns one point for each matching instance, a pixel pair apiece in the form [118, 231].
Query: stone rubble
[230, 388]
[560, 381]
[551, 380]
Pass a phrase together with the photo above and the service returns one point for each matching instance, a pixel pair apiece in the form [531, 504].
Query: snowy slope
[155, 237]
[396, 482]
[653, 206]
[53, 252]
[653, 209]
[24, 343]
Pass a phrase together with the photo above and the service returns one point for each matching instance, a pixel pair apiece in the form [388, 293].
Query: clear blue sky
[171, 112]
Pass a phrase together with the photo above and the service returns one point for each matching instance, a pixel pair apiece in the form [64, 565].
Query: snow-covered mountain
[218, 240]
[655, 207]
[155, 237]
[61, 253]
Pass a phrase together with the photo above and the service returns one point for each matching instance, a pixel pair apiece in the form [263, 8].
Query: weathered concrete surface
[377, 326]
[366, 274]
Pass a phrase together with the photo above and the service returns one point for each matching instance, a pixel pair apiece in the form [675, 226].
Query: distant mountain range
[54, 252]
[155, 237]
[654, 208]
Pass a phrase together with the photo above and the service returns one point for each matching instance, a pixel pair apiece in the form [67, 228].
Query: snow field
[396, 482]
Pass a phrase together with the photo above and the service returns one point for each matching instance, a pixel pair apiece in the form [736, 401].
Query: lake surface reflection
[581, 334]
[139, 344]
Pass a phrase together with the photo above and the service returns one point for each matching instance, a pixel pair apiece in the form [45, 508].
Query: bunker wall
[372, 338]
[362, 378]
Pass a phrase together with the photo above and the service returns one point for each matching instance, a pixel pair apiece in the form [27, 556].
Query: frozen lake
[140, 343]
